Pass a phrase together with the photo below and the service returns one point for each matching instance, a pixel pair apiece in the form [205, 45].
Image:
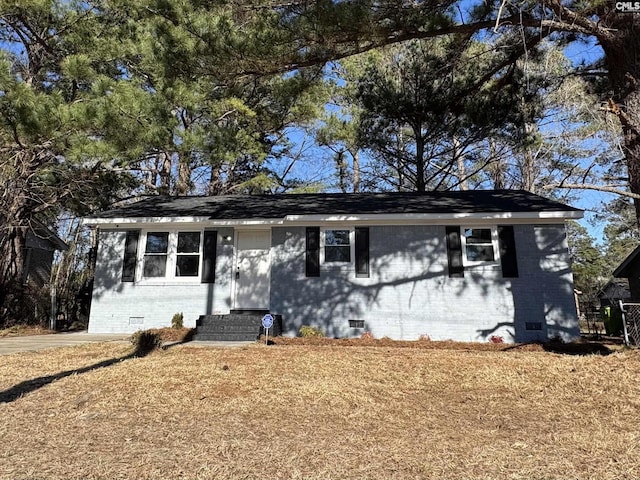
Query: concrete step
[234, 327]
[249, 311]
[229, 328]
[226, 337]
[230, 320]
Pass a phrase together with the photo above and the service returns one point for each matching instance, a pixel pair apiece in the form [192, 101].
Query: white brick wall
[408, 294]
[118, 307]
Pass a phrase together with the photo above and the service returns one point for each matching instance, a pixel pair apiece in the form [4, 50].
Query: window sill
[337, 267]
[483, 267]
[492, 264]
[168, 282]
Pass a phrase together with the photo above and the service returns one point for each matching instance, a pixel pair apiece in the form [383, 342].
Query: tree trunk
[631, 132]
[183, 185]
[622, 53]
[165, 174]
[529, 168]
[341, 166]
[355, 155]
[420, 185]
[497, 167]
[17, 205]
[215, 181]
[632, 154]
[459, 159]
[12, 250]
[13, 242]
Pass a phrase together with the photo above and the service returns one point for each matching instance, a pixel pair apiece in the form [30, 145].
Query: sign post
[267, 323]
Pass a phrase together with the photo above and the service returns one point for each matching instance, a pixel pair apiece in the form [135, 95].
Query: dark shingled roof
[279, 206]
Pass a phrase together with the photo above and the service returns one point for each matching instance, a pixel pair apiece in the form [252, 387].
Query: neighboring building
[40, 247]
[613, 292]
[41, 244]
[462, 265]
[630, 269]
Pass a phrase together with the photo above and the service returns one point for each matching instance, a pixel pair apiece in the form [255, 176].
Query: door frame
[236, 259]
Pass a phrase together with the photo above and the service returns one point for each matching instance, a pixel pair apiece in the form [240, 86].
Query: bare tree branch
[616, 189]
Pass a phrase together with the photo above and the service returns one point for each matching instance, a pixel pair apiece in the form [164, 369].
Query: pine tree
[312, 33]
[588, 264]
[428, 108]
[68, 113]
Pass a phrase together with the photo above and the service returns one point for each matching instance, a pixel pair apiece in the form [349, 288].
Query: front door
[252, 269]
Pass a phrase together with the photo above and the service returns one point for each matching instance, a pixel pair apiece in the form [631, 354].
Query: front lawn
[319, 412]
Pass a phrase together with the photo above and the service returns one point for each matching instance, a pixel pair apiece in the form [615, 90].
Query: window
[155, 254]
[343, 249]
[479, 245]
[475, 246]
[171, 255]
[337, 246]
[188, 254]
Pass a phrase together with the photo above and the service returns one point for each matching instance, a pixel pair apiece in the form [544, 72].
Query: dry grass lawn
[319, 412]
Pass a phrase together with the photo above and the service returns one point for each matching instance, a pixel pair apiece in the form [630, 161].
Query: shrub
[170, 334]
[176, 321]
[145, 341]
[78, 325]
[612, 319]
[309, 331]
[496, 339]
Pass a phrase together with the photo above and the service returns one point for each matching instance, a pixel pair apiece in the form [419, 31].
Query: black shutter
[312, 260]
[507, 251]
[362, 251]
[130, 256]
[209, 246]
[454, 252]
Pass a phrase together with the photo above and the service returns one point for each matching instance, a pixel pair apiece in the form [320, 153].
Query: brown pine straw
[24, 330]
[319, 412]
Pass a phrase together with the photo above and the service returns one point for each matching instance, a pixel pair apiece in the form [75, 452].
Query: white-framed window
[188, 254]
[171, 255]
[156, 253]
[480, 245]
[337, 246]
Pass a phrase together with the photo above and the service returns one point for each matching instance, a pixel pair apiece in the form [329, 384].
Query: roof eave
[46, 233]
[620, 272]
[398, 218]
[432, 217]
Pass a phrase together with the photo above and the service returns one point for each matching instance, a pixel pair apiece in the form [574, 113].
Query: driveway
[65, 339]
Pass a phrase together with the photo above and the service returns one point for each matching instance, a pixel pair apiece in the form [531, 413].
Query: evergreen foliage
[102, 100]
[590, 270]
